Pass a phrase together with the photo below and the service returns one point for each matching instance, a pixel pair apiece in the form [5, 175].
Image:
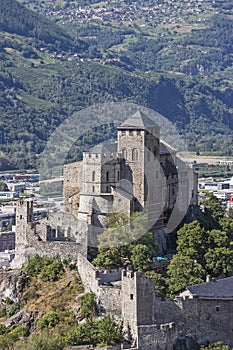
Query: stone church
[138, 173]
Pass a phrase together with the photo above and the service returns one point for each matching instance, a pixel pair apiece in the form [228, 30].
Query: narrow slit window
[124, 153]
[135, 155]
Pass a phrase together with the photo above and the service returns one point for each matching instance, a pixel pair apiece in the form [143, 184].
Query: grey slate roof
[165, 148]
[137, 121]
[105, 148]
[218, 289]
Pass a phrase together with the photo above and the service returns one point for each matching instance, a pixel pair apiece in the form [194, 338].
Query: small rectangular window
[130, 132]
[217, 308]
[123, 132]
[131, 296]
[138, 132]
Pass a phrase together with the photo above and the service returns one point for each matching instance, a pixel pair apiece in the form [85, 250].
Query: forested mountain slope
[17, 19]
[39, 89]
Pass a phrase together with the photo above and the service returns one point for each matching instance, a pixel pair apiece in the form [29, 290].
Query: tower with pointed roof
[138, 144]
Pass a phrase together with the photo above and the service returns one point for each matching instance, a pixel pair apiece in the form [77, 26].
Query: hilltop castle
[199, 314]
[138, 173]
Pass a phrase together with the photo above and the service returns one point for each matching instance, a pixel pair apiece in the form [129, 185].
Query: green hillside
[42, 83]
[17, 19]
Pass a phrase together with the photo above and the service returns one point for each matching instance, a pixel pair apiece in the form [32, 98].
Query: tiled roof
[105, 148]
[217, 289]
[137, 121]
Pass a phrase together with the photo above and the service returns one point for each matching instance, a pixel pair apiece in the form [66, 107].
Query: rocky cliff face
[12, 285]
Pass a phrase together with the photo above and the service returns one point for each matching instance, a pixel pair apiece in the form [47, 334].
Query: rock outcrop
[12, 285]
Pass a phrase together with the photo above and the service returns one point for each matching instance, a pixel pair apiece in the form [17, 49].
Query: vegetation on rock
[52, 304]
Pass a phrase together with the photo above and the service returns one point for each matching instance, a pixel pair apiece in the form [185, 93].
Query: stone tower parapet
[24, 221]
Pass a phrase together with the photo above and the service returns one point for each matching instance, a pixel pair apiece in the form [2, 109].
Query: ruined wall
[67, 227]
[129, 305]
[53, 249]
[156, 337]
[112, 275]
[108, 297]
[88, 275]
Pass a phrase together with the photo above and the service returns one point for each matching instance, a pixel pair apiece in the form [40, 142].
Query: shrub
[52, 272]
[3, 329]
[48, 269]
[50, 319]
[88, 305]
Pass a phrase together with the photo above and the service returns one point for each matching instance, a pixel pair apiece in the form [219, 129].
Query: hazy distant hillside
[193, 38]
[41, 84]
[15, 18]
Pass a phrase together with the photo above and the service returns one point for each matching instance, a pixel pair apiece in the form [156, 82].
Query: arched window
[124, 153]
[93, 175]
[135, 155]
[107, 176]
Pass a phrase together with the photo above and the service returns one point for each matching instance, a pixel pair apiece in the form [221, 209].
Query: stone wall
[122, 202]
[209, 319]
[53, 249]
[72, 184]
[167, 311]
[129, 306]
[156, 337]
[145, 299]
[66, 226]
[128, 141]
[110, 276]
[88, 275]
[108, 297]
